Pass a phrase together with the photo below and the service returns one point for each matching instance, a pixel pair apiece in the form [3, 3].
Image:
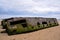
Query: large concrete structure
[25, 24]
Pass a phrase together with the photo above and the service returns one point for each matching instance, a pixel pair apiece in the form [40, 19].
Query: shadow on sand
[24, 32]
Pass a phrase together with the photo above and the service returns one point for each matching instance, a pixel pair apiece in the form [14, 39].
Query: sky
[30, 8]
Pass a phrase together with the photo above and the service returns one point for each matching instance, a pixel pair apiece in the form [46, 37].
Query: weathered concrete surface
[52, 33]
[24, 24]
[33, 20]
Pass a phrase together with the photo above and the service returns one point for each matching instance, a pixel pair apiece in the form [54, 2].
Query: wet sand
[52, 33]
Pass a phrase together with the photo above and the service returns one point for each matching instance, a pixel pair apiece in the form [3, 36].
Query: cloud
[48, 15]
[35, 6]
[43, 8]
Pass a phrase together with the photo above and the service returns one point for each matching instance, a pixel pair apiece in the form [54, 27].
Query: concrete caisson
[26, 24]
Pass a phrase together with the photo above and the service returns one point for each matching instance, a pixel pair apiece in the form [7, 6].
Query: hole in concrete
[14, 30]
[22, 22]
[44, 22]
[24, 25]
[32, 27]
[49, 21]
[17, 22]
[38, 24]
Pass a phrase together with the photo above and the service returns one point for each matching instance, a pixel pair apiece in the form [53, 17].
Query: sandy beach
[52, 33]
